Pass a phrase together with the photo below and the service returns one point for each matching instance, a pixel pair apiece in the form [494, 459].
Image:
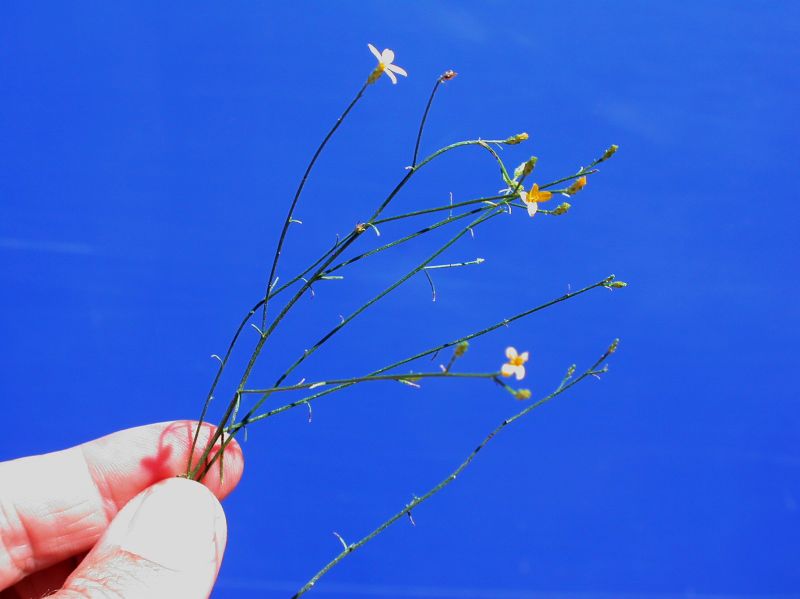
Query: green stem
[410, 377]
[416, 501]
[233, 405]
[422, 231]
[440, 208]
[432, 351]
[299, 191]
[580, 173]
[424, 118]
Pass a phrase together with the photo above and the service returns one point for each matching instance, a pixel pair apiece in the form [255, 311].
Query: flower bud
[610, 152]
[461, 349]
[526, 168]
[561, 208]
[516, 139]
[522, 394]
[448, 75]
[577, 185]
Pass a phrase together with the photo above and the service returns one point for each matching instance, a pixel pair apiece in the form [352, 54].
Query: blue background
[148, 154]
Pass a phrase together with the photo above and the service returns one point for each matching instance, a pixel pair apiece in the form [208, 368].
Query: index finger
[56, 505]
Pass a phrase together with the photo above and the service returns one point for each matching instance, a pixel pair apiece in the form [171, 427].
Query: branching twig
[566, 384]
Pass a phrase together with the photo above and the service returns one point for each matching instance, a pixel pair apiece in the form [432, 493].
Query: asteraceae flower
[515, 364]
[533, 197]
[577, 185]
[385, 60]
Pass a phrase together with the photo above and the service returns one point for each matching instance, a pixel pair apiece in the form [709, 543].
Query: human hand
[148, 534]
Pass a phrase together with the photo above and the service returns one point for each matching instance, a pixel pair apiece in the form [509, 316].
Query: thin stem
[233, 405]
[389, 289]
[424, 118]
[248, 417]
[440, 208]
[379, 296]
[580, 173]
[303, 274]
[436, 154]
[410, 377]
[300, 187]
[264, 303]
[422, 231]
[455, 264]
[432, 351]
[416, 501]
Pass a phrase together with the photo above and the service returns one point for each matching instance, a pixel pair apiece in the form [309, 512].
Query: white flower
[515, 364]
[385, 60]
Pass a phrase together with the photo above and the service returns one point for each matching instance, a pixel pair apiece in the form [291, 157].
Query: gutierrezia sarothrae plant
[246, 404]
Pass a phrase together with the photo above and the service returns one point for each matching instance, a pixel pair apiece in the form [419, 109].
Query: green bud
[610, 152]
[561, 208]
[516, 139]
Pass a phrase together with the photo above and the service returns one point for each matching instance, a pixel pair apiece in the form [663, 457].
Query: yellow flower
[385, 60]
[577, 185]
[515, 364]
[533, 197]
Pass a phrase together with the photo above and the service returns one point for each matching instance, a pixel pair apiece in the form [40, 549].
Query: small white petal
[511, 353]
[520, 372]
[391, 75]
[532, 208]
[375, 52]
[524, 356]
[387, 56]
[507, 370]
[396, 69]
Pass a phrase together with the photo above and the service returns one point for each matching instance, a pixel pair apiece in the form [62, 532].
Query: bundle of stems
[465, 216]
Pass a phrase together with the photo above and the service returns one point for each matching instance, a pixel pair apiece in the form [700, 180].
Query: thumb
[166, 542]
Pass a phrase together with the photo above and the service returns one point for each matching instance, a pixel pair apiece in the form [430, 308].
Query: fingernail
[178, 524]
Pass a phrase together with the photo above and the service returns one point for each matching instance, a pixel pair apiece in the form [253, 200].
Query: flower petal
[387, 56]
[390, 75]
[520, 372]
[511, 352]
[544, 196]
[375, 52]
[507, 370]
[523, 356]
[396, 69]
[532, 208]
